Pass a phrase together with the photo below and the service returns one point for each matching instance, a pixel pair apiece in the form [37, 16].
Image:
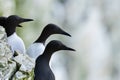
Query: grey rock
[26, 67]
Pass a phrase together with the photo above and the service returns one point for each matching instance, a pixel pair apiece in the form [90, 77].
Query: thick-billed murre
[42, 69]
[10, 23]
[37, 48]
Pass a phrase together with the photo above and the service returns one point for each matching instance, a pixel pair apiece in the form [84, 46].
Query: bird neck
[47, 55]
[43, 37]
[9, 30]
[43, 58]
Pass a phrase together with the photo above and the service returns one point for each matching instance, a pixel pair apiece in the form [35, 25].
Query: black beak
[24, 20]
[60, 31]
[68, 48]
[65, 33]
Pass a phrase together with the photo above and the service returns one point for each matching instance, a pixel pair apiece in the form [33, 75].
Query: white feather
[16, 43]
[35, 50]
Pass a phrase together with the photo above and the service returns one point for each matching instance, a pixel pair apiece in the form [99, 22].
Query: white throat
[16, 43]
[35, 50]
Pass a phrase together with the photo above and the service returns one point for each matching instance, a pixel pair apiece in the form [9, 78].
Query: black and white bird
[42, 69]
[10, 23]
[37, 48]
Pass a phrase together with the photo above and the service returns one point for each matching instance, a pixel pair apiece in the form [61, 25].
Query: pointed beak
[21, 20]
[68, 48]
[65, 33]
[24, 20]
[60, 31]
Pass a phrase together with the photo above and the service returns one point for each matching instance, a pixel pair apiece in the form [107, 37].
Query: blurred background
[93, 24]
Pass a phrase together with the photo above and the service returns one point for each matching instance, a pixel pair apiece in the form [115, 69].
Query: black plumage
[42, 69]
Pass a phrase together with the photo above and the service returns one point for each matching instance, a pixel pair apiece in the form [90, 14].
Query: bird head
[15, 20]
[54, 29]
[56, 45]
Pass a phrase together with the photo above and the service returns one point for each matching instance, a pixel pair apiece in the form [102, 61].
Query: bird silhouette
[42, 69]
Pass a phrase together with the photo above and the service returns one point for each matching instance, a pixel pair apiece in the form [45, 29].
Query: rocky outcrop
[14, 67]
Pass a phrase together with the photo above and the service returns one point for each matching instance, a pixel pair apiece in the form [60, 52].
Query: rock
[17, 67]
[26, 67]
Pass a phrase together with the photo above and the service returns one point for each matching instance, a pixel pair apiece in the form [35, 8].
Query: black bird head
[15, 20]
[49, 30]
[54, 29]
[56, 45]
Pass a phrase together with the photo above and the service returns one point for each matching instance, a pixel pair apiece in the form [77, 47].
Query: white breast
[35, 50]
[16, 43]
